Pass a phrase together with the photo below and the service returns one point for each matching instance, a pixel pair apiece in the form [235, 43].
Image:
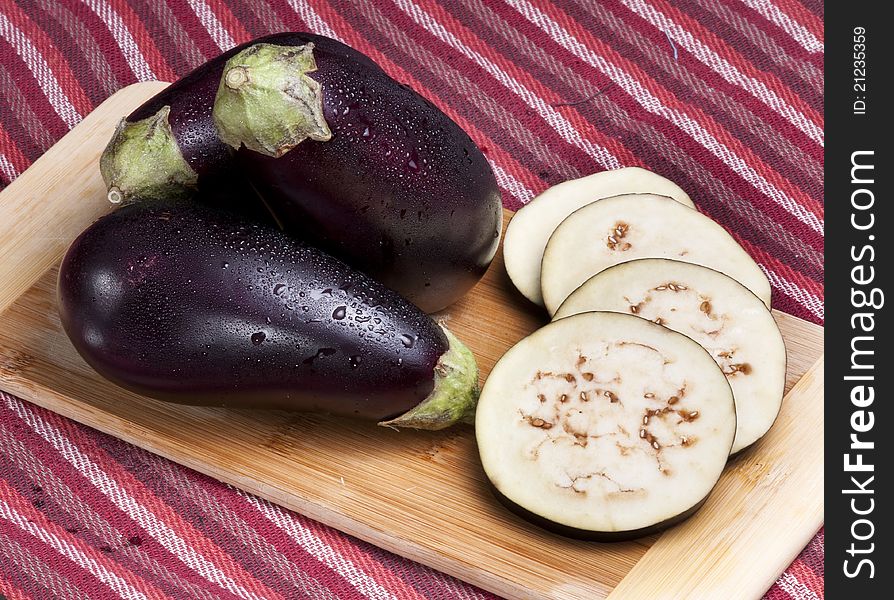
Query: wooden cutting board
[418, 494]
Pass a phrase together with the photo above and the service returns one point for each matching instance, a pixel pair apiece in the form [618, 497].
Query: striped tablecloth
[724, 97]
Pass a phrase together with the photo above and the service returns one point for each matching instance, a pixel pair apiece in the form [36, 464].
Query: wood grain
[774, 495]
[419, 494]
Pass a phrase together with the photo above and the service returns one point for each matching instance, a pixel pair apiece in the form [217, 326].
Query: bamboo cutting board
[418, 494]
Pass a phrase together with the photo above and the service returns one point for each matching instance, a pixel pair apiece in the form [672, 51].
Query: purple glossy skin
[192, 305]
[191, 99]
[400, 191]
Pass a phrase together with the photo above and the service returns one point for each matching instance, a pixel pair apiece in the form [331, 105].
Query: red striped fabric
[724, 97]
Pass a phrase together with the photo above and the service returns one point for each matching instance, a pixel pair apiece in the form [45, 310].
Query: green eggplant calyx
[144, 161]
[454, 396]
[267, 103]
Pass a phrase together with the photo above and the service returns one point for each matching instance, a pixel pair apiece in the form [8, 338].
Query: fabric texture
[725, 97]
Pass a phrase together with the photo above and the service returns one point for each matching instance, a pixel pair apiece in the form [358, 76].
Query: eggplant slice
[605, 426]
[530, 228]
[624, 228]
[716, 311]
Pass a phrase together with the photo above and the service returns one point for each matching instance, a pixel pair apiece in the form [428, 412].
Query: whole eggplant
[341, 154]
[384, 179]
[193, 305]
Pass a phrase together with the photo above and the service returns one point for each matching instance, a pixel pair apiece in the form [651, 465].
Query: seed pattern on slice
[604, 424]
[531, 226]
[716, 311]
[624, 228]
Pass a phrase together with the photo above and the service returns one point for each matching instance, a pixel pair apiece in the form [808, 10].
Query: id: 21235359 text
[859, 47]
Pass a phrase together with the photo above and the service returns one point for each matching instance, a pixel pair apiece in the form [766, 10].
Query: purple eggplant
[194, 305]
[341, 154]
[384, 179]
[169, 146]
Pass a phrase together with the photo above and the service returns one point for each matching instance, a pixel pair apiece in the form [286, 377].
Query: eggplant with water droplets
[193, 305]
[396, 188]
[340, 153]
[169, 146]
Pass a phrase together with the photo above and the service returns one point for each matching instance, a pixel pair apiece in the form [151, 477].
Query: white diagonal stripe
[796, 293]
[113, 22]
[63, 547]
[41, 71]
[212, 25]
[652, 104]
[123, 500]
[726, 70]
[7, 168]
[310, 16]
[511, 184]
[318, 548]
[504, 179]
[794, 588]
[798, 32]
[549, 114]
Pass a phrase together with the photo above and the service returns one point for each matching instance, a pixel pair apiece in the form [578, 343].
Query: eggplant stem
[115, 196]
[143, 160]
[267, 103]
[236, 77]
[455, 395]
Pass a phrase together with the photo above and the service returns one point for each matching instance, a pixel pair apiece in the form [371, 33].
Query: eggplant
[169, 146]
[189, 304]
[716, 311]
[233, 193]
[530, 228]
[341, 154]
[605, 426]
[384, 179]
[623, 228]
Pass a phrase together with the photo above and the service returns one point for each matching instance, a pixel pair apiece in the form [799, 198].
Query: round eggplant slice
[605, 426]
[530, 228]
[624, 228]
[716, 311]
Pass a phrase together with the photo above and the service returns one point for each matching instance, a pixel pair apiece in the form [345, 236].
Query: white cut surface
[716, 311]
[624, 228]
[605, 422]
[531, 226]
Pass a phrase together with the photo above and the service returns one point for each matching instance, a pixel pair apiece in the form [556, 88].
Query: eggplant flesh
[624, 228]
[530, 227]
[716, 311]
[188, 304]
[605, 426]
